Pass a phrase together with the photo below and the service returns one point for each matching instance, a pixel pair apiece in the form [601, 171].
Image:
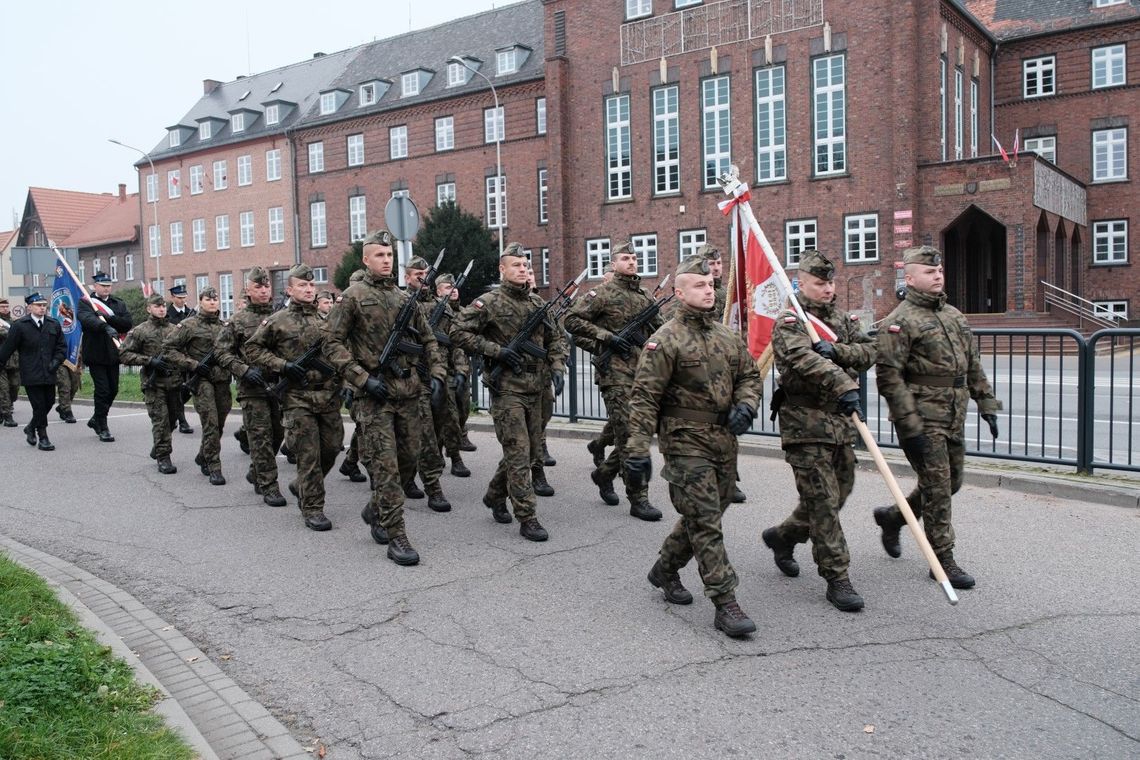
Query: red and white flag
[1004, 155]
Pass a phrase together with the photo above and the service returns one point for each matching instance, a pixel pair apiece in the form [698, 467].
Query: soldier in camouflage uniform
[716, 267]
[540, 458]
[596, 318]
[485, 327]
[325, 301]
[176, 312]
[697, 387]
[10, 373]
[350, 466]
[387, 404]
[819, 390]
[68, 381]
[311, 403]
[186, 347]
[463, 388]
[447, 421]
[260, 410]
[161, 383]
[928, 368]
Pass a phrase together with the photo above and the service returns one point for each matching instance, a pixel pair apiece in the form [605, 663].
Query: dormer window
[273, 114]
[506, 62]
[328, 103]
[237, 122]
[205, 130]
[456, 74]
[368, 94]
[410, 84]
[175, 138]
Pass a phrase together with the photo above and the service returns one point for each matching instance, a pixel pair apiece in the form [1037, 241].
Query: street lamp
[154, 205]
[499, 189]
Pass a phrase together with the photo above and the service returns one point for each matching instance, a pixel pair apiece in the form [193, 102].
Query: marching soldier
[463, 387]
[598, 317]
[716, 267]
[485, 327]
[176, 312]
[100, 354]
[541, 458]
[39, 340]
[697, 387]
[311, 405]
[260, 410]
[447, 420]
[10, 372]
[191, 348]
[819, 390]
[325, 301]
[161, 384]
[350, 466]
[928, 367]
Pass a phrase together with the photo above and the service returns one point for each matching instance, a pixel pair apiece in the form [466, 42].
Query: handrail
[1082, 308]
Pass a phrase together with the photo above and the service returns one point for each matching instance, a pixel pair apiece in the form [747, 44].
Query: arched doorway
[1041, 259]
[1059, 268]
[976, 264]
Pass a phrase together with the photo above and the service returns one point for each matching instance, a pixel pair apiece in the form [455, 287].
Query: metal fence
[1066, 399]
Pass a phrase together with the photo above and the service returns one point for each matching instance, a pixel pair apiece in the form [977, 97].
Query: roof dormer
[178, 134]
[208, 126]
[332, 100]
[370, 92]
[458, 73]
[510, 59]
[413, 82]
[277, 110]
[242, 119]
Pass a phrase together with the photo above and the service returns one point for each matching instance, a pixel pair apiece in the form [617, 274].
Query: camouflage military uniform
[160, 390]
[67, 383]
[692, 371]
[447, 419]
[9, 382]
[721, 299]
[185, 347]
[429, 463]
[467, 366]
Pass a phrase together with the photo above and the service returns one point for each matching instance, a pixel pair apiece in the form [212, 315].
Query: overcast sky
[74, 73]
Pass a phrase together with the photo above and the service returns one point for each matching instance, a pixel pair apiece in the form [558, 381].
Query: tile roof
[117, 222]
[7, 239]
[62, 212]
[1010, 19]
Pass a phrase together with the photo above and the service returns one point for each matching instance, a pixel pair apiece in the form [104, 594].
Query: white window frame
[272, 115]
[318, 225]
[221, 180]
[176, 239]
[456, 75]
[174, 183]
[506, 62]
[973, 118]
[597, 257]
[942, 141]
[197, 173]
[237, 122]
[398, 142]
[320, 275]
[619, 149]
[830, 140]
[716, 128]
[226, 295]
[861, 238]
[367, 95]
[678, 4]
[494, 125]
[276, 221]
[246, 230]
[201, 282]
[690, 241]
[81, 271]
[540, 116]
[1110, 154]
[444, 193]
[113, 268]
[771, 124]
[357, 218]
[1107, 62]
[959, 113]
[638, 9]
[273, 165]
[198, 235]
[1110, 242]
[328, 103]
[222, 231]
[645, 246]
[128, 267]
[543, 196]
[205, 130]
[1045, 146]
[544, 268]
[1115, 310]
[96, 266]
[174, 139]
[151, 188]
[1039, 77]
[445, 133]
[667, 140]
[799, 235]
[316, 157]
[495, 201]
[245, 170]
[354, 147]
[409, 84]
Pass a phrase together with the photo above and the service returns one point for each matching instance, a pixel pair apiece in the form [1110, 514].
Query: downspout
[293, 197]
[993, 75]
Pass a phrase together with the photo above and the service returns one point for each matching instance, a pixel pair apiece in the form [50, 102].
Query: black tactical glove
[638, 471]
[253, 376]
[619, 344]
[159, 364]
[202, 370]
[849, 404]
[740, 418]
[295, 372]
[437, 394]
[376, 388]
[512, 359]
[347, 396]
[826, 349]
[460, 382]
[559, 381]
[916, 448]
[991, 420]
[111, 331]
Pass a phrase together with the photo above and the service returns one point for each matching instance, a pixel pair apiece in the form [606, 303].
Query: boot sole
[737, 633]
[404, 561]
[852, 607]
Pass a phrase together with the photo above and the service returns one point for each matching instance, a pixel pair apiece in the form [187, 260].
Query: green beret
[325, 294]
[156, 300]
[445, 278]
[693, 265]
[708, 252]
[814, 262]
[625, 246]
[258, 276]
[513, 249]
[301, 272]
[926, 255]
[417, 262]
[208, 292]
[380, 237]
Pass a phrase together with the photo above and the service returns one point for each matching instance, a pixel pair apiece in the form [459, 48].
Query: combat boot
[498, 509]
[184, 427]
[532, 530]
[782, 552]
[401, 552]
[318, 522]
[198, 460]
[732, 620]
[166, 467]
[45, 444]
[351, 470]
[547, 460]
[891, 527]
[597, 451]
[68, 417]
[538, 480]
[379, 534]
[958, 577]
[293, 489]
[738, 496]
[437, 502]
[605, 487]
[252, 480]
[216, 478]
[466, 445]
[271, 495]
[458, 469]
[30, 434]
[290, 457]
[242, 439]
[9, 422]
[643, 510]
[843, 595]
[412, 491]
[670, 584]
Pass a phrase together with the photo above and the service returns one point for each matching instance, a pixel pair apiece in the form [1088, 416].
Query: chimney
[209, 85]
[318, 55]
[122, 192]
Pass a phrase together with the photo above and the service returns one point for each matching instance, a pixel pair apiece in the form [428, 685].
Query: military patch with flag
[894, 329]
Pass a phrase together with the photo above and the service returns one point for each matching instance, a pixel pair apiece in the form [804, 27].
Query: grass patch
[62, 694]
[129, 387]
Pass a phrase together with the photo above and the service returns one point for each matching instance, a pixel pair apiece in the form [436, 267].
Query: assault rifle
[190, 384]
[521, 343]
[437, 313]
[397, 343]
[311, 359]
[632, 332]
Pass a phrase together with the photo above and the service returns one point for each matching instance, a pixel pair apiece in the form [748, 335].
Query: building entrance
[976, 263]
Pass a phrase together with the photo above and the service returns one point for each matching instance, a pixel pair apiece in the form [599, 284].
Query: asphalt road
[496, 646]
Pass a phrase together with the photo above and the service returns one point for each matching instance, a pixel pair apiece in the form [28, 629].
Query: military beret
[258, 276]
[301, 272]
[102, 278]
[693, 265]
[208, 292]
[513, 249]
[708, 252]
[155, 300]
[625, 246]
[178, 291]
[814, 262]
[34, 298]
[445, 278]
[380, 237]
[417, 262]
[325, 294]
[926, 254]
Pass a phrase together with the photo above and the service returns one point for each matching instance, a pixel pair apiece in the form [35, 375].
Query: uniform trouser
[428, 461]
[446, 422]
[41, 398]
[315, 438]
[463, 405]
[67, 384]
[352, 456]
[160, 404]
[9, 390]
[939, 477]
[538, 461]
[105, 378]
[606, 438]
[701, 491]
[825, 475]
[261, 417]
[617, 411]
[390, 436]
[212, 402]
[518, 426]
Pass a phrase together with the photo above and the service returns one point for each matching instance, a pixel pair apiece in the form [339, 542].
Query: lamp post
[500, 191]
[154, 206]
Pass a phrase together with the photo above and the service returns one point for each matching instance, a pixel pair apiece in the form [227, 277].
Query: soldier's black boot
[891, 527]
[105, 435]
[437, 502]
[198, 460]
[252, 480]
[30, 434]
[379, 534]
[216, 478]
[538, 480]
[68, 417]
[271, 495]
[738, 496]
[166, 467]
[44, 444]
[318, 522]
[782, 552]
[401, 552]
[94, 425]
[843, 595]
[605, 487]
[242, 438]
[532, 530]
[351, 470]
[412, 491]
[183, 425]
[643, 510]
[732, 620]
[498, 509]
[458, 469]
[547, 460]
[958, 577]
[9, 422]
[597, 451]
[670, 584]
[466, 445]
[290, 457]
[293, 489]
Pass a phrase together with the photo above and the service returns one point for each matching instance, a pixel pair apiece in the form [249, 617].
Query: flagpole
[82, 289]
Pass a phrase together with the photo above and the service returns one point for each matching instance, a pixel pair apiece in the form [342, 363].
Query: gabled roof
[1011, 19]
[7, 239]
[62, 212]
[117, 222]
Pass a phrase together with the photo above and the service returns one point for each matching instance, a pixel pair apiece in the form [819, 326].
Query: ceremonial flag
[761, 287]
[1004, 155]
[65, 297]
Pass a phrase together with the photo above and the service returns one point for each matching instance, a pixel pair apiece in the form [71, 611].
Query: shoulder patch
[651, 346]
[477, 304]
[894, 329]
[264, 322]
[854, 317]
[592, 293]
[791, 320]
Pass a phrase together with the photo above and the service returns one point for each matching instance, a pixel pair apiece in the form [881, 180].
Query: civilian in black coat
[39, 340]
[100, 353]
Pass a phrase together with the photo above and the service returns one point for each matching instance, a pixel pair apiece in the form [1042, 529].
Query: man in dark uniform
[697, 387]
[819, 390]
[104, 318]
[10, 372]
[176, 311]
[39, 340]
[161, 383]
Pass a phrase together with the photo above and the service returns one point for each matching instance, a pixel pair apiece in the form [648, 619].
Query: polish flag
[767, 297]
[1004, 155]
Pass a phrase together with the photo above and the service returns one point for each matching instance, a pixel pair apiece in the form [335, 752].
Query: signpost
[403, 220]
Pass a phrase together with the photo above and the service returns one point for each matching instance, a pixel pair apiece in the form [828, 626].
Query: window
[398, 142]
[273, 165]
[597, 257]
[445, 133]
[317, 227]
[151, 188]
[543, 197]
[81, 272]
[175, 138]
[328, 103]
[1107, 3]
[355, 150]
[830, 84]
[619, 159]
[862, 237]
[493, 129]
[942, 105]
[320, 275]
[174, 183]
[245, 170]
[540, 116]
[685, 3]
[1110, 159]
[1039, 76]
[221, 182]
[637, 8]
[496, 202]
[973, 118]
[771, 135]
[128, 267]
[1108, 66]
[357, 218]
[205, 130]
[456, 74]
[958, 113]
[96, 266]
[506, 62]
[401, 193]
[196, 175]
[222, 231]
[201, 282]
[367, 94]
[646, 248]
[666, 141]
[689, 242]
[1110, 242]
[114, 268]
[316, 157]
[1046, 147]
[1114, 310]
[245, 228]
[152, 237]
[176, 238]
[226, 295]
[717, 133]
[410, 84]
[544, 270]
[798, 237]
[444, 193]
[237, 122]
[277, 224]
[198, 235]
[272, 115]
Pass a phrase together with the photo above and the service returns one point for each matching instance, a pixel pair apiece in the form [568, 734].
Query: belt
[938, 381]
[695, 415]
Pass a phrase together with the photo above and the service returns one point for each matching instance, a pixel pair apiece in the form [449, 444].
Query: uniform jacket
[175, 317]
[41, 349]
[143, 342]
[232, 342]
[284, 336]
[812, 383]
[721, 293]
[605, 311]
[190, 342]
[14, 360]
[693, 364]
[923, 338]
[98, 348]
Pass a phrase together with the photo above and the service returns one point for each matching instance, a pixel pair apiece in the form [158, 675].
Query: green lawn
[129, 389]
[62, 694]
